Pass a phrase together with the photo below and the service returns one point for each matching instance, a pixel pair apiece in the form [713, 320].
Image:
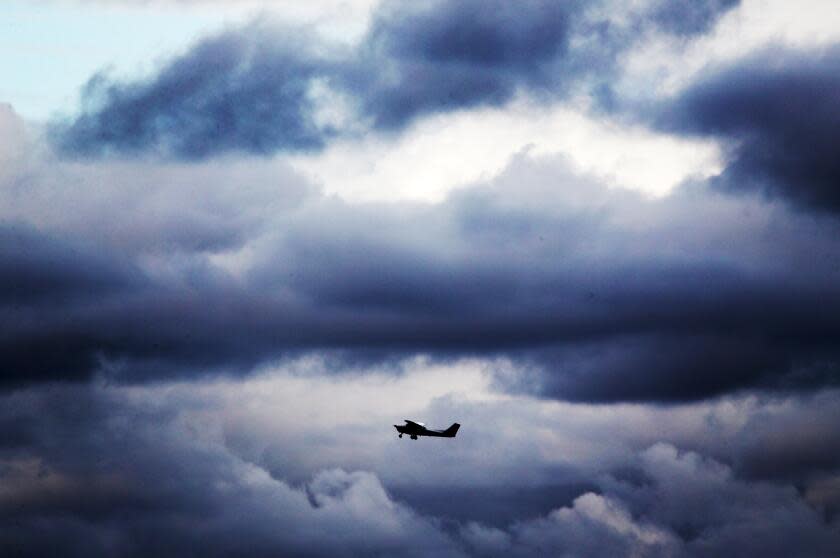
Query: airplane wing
[415, 423]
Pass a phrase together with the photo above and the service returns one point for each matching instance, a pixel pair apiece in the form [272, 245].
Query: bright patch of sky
[453, 150]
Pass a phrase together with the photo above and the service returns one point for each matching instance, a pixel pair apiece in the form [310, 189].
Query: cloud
[594, 525]
[13, 145]
[777, 112]
[595, 294]
[688, 506]
[439, 56]
[206, 356]
[37, 272]
[97, 480]
[789, 441]
[132, 471]
[264, 88]
[681, 18]
[237, 91]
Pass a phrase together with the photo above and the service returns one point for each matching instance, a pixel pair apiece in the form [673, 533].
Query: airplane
[415, 429]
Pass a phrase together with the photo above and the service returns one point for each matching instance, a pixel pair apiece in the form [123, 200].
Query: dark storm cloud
[37, 275]
[104, 476]
[684, 366]
[779, 113]
[66, 309]
[797, 442]
[113, 471]
[261, 89]
[439, 56]
[602, 294]
[442, 56]
[36, 268]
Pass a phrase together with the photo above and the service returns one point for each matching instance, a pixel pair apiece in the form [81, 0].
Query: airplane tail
[452, 430]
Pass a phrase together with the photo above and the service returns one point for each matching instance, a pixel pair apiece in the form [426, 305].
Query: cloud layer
[203, 351]
[263, 88]
[597, 294]
[103, 471]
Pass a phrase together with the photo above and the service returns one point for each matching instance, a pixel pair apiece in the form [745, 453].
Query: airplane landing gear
[400, 435]
[413, 437]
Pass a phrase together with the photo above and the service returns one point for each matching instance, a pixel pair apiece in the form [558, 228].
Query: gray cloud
[602, 294]
[261, 89]
[144, 308]
[689, 18]
[238, 91]
[121, 470]
[103, 474]
[439, 56]
[719, 514]
[777, 111]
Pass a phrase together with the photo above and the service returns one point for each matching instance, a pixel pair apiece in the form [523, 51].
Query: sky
[240, 240]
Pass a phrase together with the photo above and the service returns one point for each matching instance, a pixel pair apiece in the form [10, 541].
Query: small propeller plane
[415, 429]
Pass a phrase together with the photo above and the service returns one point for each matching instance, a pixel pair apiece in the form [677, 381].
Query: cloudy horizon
[239, 241]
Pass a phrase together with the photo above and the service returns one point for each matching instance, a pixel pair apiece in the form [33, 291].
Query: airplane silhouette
[415, 429]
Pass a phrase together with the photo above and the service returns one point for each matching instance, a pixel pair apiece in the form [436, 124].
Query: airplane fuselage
[415, 429]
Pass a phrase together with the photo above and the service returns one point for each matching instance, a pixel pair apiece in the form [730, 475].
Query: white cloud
[443, 152]
[666, 64]
[595, 525]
